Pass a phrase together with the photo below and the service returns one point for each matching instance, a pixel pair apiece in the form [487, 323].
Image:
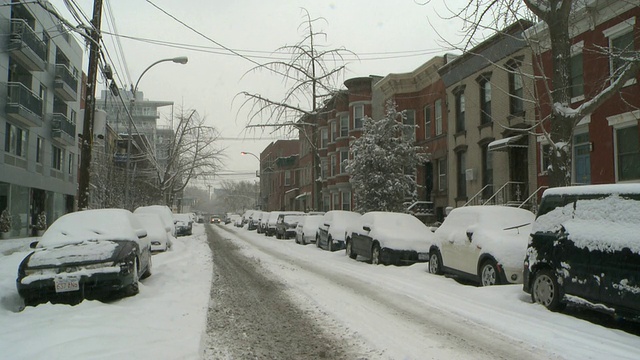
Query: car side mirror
[141, 233]
[33, 244]
[366, 228]
[469, 235]
[327, 225]
[167, 229]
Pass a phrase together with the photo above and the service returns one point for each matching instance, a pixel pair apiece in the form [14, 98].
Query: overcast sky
[389, 37]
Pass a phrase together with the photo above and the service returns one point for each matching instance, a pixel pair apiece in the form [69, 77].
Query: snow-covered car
[165, 214]
[332, 232]
[157, 233]
[183, 223]
[286, 224]
[87, 254]
[389, 238]
[270, 229]
[262, 222]
[585, 246]
[254, 219]
[307, 229]
[246, 217]
[485, 244]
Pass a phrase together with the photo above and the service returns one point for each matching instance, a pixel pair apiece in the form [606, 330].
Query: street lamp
[178, 60]
[259, 172]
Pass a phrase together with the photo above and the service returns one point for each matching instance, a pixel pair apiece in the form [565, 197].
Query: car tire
[376, 254]
[329, 244]
[546, 290]
[148, 272]
[302, 240]
[435, 262]
[317, 241]
[349, 250]
[133, 288]
[489, 274]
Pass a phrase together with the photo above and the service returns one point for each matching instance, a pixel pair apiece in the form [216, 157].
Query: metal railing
[21, 95]
[21, 30]
[532, 200]
[62, 123]
[65, 74]
[478, 198]
[511, 193]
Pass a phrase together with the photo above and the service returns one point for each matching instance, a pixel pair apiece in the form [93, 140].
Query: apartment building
[421, 95]
[491, 110]
[279, 180]
[605, 144]
[40, 76]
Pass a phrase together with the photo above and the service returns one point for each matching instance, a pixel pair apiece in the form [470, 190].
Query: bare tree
[311, 78]
[236, 196]
[557, 17]
[189, 154]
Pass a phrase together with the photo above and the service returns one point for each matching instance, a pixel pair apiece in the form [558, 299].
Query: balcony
[26, 47]
[66, 84]
[23, 105]
[63, 130]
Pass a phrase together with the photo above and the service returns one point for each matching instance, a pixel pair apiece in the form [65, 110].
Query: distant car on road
[215, 219]
[88, 254]
[485, 244]
[389, 238]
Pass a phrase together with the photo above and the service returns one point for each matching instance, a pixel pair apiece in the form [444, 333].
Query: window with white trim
[344, 125]
[427, 122]
[627, 142]
[336, 201]
[442, 174]
[287, 177]
[15, 140]
[332, 171]
[346, 200]
[324, 137]
[334, 134]
[344, 159]
[621, 44]
[358, 114]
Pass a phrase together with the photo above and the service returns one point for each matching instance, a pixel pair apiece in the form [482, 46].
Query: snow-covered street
[374, 312]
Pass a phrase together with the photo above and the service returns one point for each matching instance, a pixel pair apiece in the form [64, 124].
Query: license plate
[67, 284]
[423, 256]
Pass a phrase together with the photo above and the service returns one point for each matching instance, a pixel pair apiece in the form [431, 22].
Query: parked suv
[585, 243]
[286, 224]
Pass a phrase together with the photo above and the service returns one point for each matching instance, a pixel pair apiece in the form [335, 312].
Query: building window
[344, 125]
[576, 80]
[324, 165]
[56, 158]
[326, 203]
[73, 117]
[442, 174]
[334, 134]
[409, 120]
[427, 122]
[437, 108]
[336, 201]
[516, 89]
[621, 47]
[70, 164]
[461, 166]
[582, 158]
[485, 101]
[324, 138]
[628, 153]
[358, 114]
[287, 177]
[545, 160]
[346, 200]
[344, 158]
[15, 140]
[460, 110]
[39, 149]
[332, 171]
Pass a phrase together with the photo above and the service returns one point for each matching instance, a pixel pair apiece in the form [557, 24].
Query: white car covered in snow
[158, 234]
[485, 244]
[307, 228]
[389, 238]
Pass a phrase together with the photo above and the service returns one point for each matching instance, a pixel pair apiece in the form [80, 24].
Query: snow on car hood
[399, 231]
[88, 251]
[609, 224]
[81, 226]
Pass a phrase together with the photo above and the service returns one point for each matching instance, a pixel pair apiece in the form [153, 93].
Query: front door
[518, 173]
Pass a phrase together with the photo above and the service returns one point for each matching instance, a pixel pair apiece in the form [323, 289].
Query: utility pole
[90, 108]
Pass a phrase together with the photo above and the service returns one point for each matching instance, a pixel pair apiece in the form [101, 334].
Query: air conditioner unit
[470, 174]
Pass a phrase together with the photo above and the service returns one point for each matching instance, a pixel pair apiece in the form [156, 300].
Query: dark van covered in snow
[585, 248]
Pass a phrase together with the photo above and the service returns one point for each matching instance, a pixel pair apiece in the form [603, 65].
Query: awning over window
[504, 144]
[302, 195]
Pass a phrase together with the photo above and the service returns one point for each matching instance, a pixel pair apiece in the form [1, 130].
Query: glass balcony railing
[20, 95]
[21, 30]
[63, 124]
[63, 73]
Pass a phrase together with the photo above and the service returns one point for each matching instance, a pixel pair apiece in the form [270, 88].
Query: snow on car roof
[608, 224]
[99, 224]
[594, 189]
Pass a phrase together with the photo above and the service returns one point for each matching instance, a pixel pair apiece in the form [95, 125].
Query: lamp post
[178, 60]
[258, 174]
